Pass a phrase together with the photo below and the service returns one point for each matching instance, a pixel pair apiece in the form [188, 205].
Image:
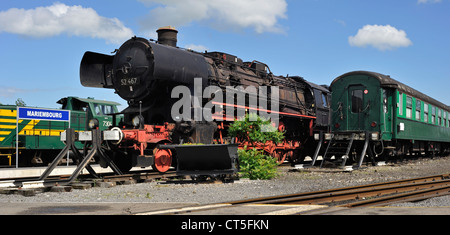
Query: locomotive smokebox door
[93, 69]
[211, 159]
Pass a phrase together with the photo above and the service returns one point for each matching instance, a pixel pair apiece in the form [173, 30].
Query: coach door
[357, 107]
[386, 128]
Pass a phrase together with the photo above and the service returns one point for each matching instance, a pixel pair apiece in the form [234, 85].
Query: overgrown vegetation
[253, 163]
[256, 165]
[252, 128]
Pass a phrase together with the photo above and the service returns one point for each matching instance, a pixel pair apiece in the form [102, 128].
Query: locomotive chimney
[167, 36]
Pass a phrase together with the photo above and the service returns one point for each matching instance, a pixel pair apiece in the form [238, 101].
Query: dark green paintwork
[387, 106]
[38, 137]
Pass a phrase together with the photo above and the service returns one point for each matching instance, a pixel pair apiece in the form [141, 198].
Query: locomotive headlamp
[138, 121]
[93, 123]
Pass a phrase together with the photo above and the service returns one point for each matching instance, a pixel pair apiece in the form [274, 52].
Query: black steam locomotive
[145, 73]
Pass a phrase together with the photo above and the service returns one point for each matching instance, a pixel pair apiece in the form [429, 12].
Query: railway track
[378, 194]
[57, 180]
[437, 184]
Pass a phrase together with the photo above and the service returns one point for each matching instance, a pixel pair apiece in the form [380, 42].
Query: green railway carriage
[39, 140]
[376, 115]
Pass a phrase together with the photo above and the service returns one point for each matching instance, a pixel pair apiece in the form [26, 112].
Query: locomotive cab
[99, 110]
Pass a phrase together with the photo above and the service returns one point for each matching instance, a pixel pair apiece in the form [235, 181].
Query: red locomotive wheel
[279, 155]
[163, 160]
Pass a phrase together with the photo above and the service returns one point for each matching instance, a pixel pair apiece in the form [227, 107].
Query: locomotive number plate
[129, 81]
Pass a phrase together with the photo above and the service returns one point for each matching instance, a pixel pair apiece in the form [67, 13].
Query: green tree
[20, 102]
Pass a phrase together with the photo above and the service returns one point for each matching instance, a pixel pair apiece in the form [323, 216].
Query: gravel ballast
[290, 180]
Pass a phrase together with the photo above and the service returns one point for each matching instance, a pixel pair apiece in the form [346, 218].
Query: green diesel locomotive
[376, 116]
[39, 140]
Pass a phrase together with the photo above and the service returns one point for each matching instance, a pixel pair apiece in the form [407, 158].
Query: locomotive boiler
[146, 73]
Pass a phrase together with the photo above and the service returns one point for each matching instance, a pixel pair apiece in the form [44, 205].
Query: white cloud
[260, 15]
[8, 92]
[382, 37]
[428, 1]
[194, 47]
[59, 19]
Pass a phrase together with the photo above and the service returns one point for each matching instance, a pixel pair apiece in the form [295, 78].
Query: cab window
[324, 100]
[103, 109]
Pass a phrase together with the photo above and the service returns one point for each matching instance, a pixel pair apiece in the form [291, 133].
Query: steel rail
[327, 196]
[64, 179]
[346, 193]
[358, 194]
[417, 195]
[144, 175]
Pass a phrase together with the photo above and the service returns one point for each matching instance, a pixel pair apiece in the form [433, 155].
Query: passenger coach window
[408, 107]
[433, 115]
[357, 101]
[445, 119]
[418, 110]
[425, 111]
[439, 117]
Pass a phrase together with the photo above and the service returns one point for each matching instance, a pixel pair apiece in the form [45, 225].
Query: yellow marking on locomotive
[29, 128]
[4, 134]
[9, 120]
[7, 126]
[8, 112]
[42, 132]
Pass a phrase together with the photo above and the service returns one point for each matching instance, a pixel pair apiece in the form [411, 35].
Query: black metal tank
[137, 64]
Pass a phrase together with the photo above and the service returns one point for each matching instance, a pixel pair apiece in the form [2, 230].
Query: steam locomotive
[146, 73]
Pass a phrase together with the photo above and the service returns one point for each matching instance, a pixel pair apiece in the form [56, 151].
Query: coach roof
[387, 82]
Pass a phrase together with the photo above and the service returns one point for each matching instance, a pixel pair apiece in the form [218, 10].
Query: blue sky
[42, 42]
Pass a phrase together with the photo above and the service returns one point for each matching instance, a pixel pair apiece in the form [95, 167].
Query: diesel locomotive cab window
[357, 101]
[101, 109]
